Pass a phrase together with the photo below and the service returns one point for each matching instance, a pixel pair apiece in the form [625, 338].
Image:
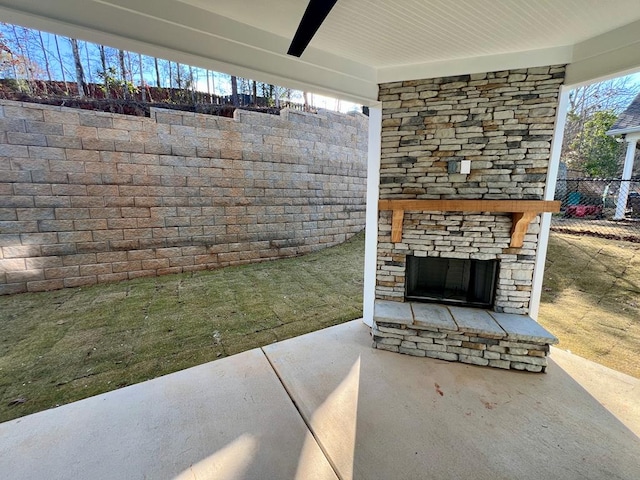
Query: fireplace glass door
[451, 280]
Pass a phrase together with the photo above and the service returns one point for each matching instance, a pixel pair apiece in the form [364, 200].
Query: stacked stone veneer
[89, 197]
[502, 122]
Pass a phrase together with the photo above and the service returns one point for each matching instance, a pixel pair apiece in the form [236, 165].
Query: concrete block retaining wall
[89, 197]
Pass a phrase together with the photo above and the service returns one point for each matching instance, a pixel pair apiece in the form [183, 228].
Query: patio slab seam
[302, 416]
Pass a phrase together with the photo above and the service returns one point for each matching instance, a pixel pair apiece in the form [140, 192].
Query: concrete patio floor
[327, 405]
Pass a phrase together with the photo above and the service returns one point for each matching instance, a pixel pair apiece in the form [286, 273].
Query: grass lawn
[62, 346]
[591, 299]
[65, 345]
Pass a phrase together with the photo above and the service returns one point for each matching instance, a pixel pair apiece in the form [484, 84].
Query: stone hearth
[468, 335]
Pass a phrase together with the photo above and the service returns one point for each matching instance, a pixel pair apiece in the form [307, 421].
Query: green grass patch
[62, 346]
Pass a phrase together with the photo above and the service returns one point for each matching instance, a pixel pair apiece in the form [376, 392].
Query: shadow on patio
[346, 411]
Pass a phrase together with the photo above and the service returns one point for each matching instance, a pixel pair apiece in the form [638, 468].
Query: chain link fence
[603, 207]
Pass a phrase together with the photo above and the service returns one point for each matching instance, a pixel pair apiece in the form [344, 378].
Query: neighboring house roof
[629, 120]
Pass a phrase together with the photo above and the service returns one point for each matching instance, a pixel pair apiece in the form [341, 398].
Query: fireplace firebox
[453, 281]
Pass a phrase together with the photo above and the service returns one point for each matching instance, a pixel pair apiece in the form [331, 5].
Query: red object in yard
[575, 211]
[583, 210]
[592, 209]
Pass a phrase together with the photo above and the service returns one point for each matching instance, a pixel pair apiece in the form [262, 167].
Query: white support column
[549, 193]
[371, 229]
[623, 192]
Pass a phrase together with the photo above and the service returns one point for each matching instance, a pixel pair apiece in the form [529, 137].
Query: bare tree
[45, 57]
[208, 86]
[130, 65]
[20, 43]
[123, 72]
[155, 63]
[192, 85]
[245, 89]
[142, 86]
[614, 94]
[234, 90]
[213, 87]
[64, 78]
[27, 49]
[105, 71]
[89, 75]
[123, 68]
[79, 70]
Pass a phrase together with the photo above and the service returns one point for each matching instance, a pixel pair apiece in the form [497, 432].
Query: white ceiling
[362, 42]
[387, 33]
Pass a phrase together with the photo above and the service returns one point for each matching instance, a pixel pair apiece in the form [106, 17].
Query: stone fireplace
[463, 170]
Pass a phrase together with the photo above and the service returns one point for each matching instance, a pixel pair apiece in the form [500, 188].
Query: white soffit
[362, 42]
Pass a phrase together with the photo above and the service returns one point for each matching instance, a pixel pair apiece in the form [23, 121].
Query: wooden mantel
[522, 212]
